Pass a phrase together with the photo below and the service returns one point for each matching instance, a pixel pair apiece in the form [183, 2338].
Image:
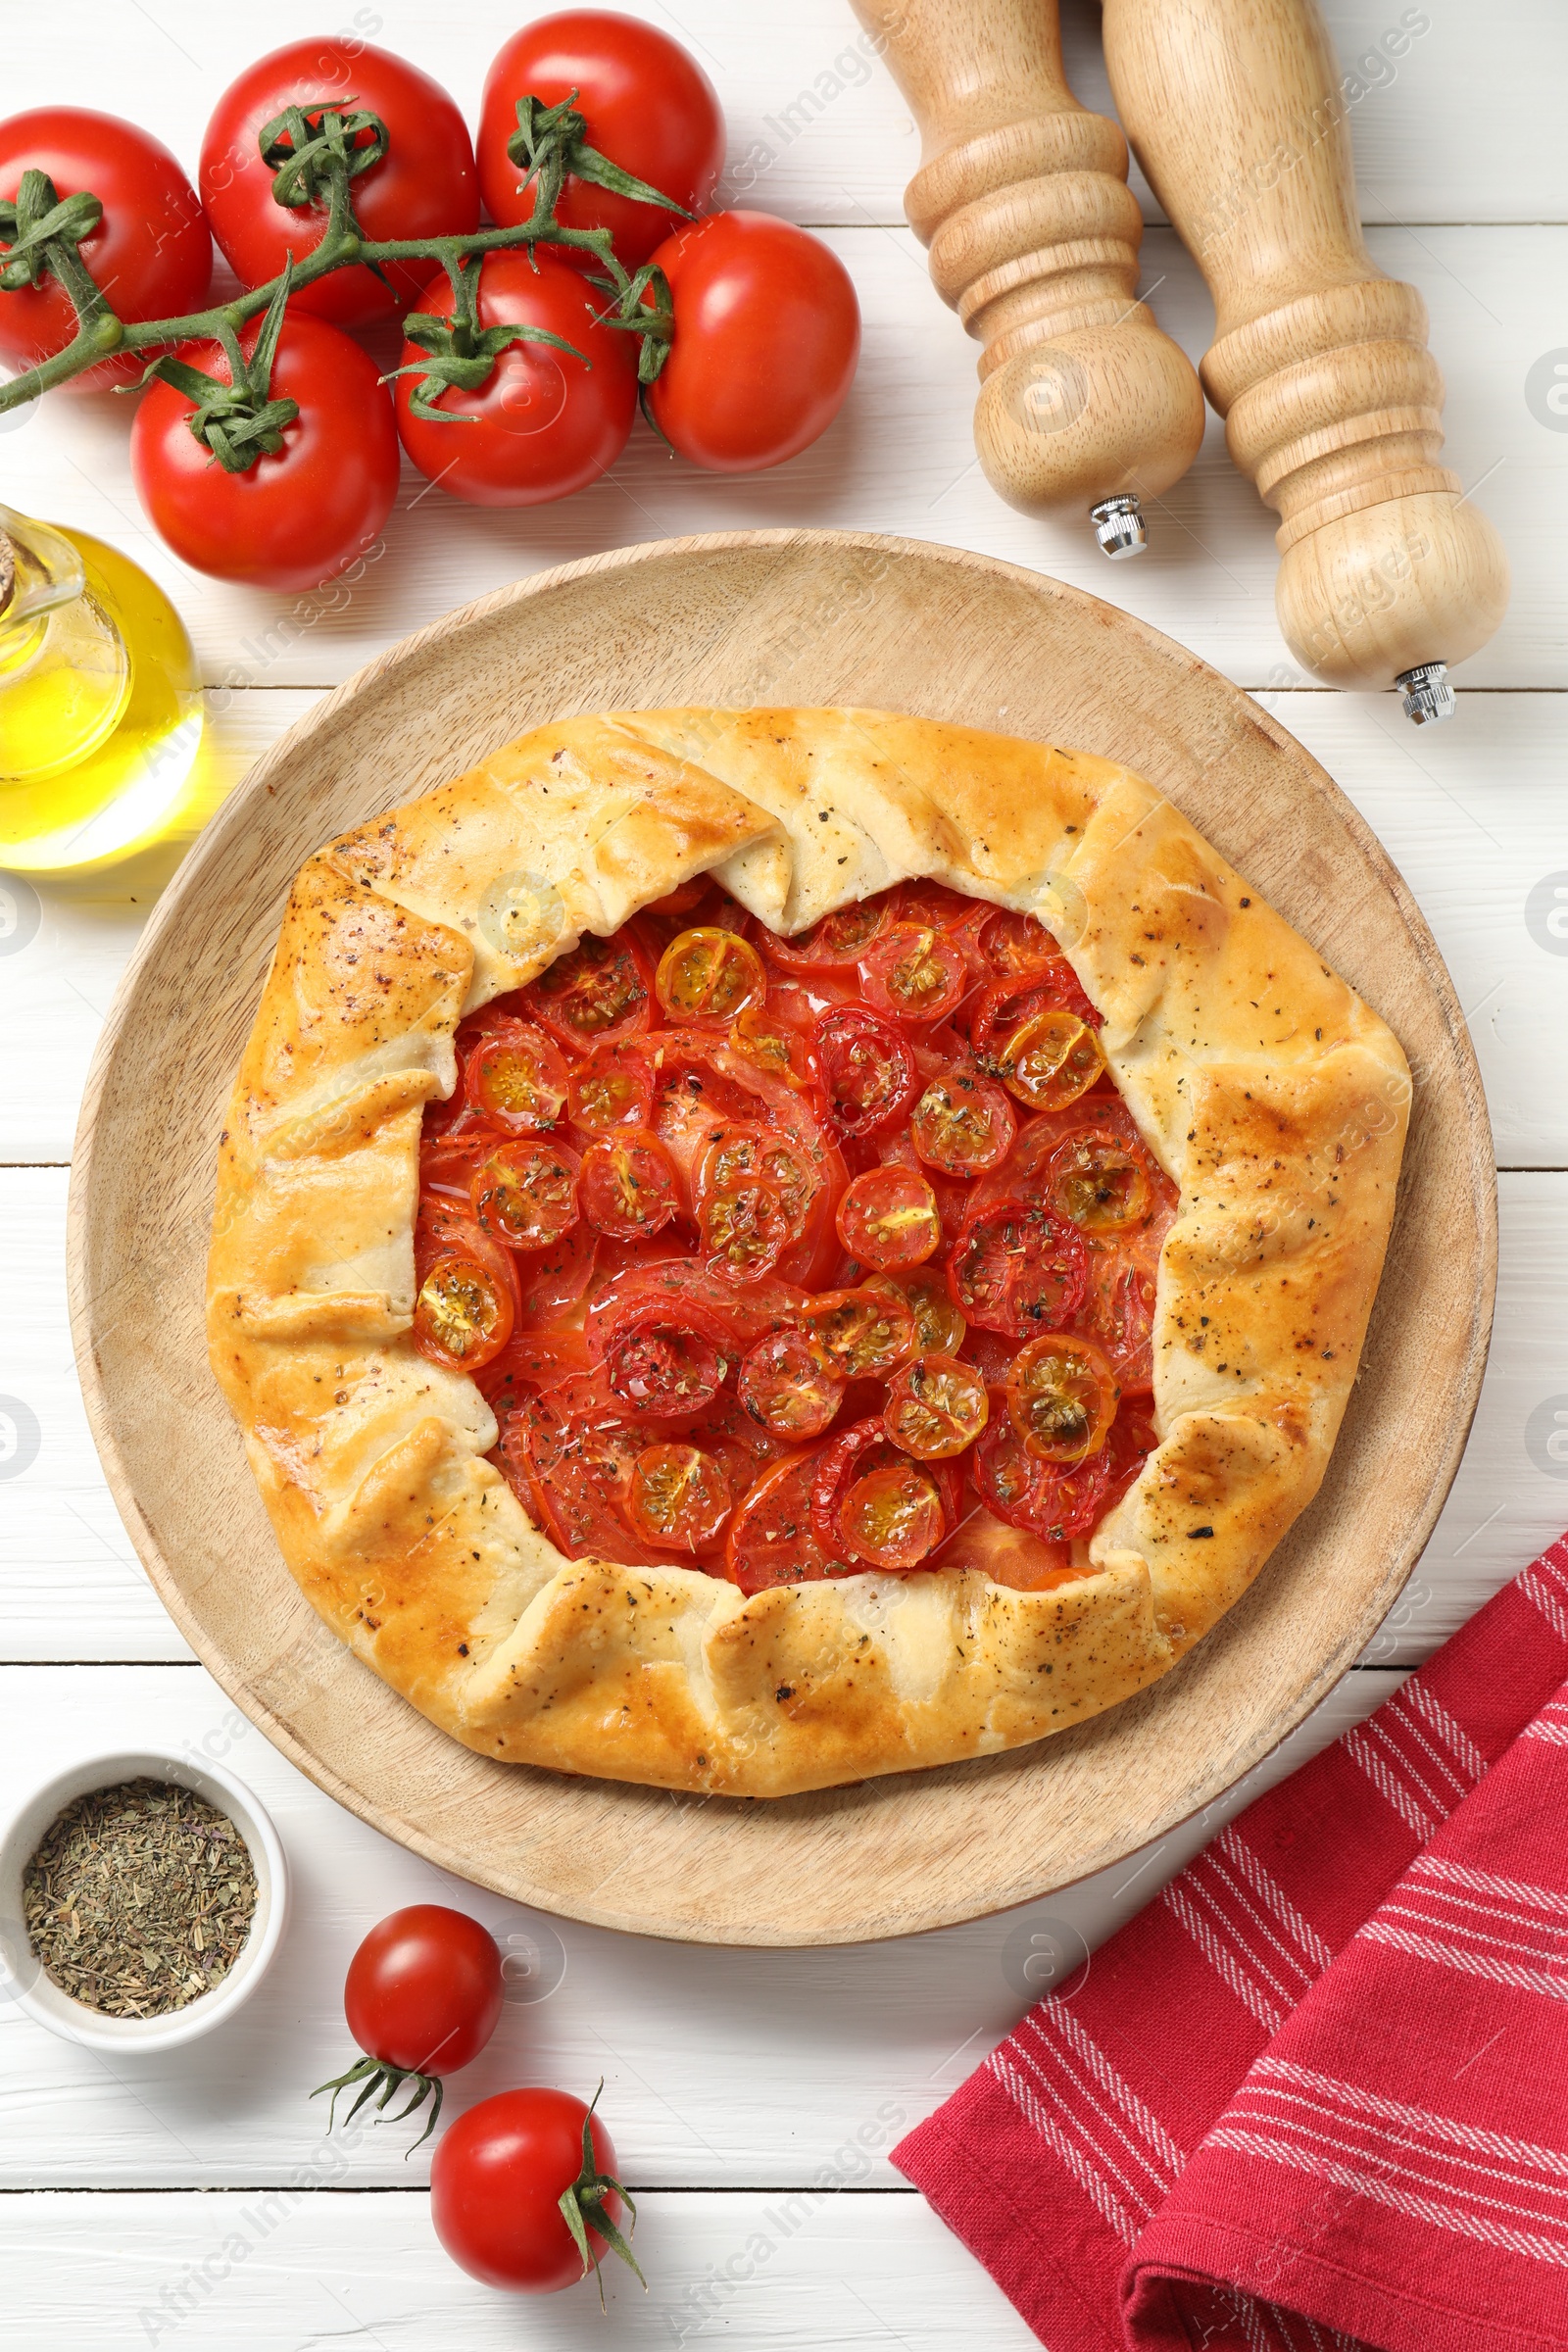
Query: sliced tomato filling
[787, 1259]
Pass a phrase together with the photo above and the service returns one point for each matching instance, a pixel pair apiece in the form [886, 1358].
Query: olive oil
[100, 702]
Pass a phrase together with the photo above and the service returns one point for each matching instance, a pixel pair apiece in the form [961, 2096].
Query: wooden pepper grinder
[1022, 198]
[1332, 402]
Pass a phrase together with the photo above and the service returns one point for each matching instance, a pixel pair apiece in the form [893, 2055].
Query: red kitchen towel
[1057, 2161]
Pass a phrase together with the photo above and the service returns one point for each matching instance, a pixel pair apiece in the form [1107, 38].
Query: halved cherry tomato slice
[868, 1068]
[664, 1368]
[600, 990]
[612, 1086]
[1044, 1498]
[738, 1150]
[569, 1455]
[772, 1539]
[742, 1226]
[709, 976]
[789, 1386]
[915, 973]
[462, 1315]
[680, 1290]
[837, 942]
[870, 1501]
[1013, 944]
[1100, 1182]
[526, 1194]
[943, 908]
[771, 1044]
[517, 1078]
[1004, 1008]
[1062, 1396]
[939, 1328]
[628, 1187]
[889, 1218]
[863, 1333]
[1053, 1060]
[1018, 1269]
[963, 1123]
[678, 1495]
[936, 1406]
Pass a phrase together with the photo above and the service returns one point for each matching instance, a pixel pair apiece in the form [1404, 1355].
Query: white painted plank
[71, 1587]
[721, 2067]
[900, 458]
[239, 2274]
[1474, 814]
[818, 133]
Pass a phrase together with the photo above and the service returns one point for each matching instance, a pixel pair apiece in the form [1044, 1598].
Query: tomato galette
[761, 1247]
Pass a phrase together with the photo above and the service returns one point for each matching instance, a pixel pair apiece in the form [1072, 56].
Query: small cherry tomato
[772, 1539]
[499, 2177]
[835, 944]
[863, 1333]
[963, 1123]
[597, 993]
[1001, 1011]
[151, 252]
[646, 104]
[300, 514]
[425, 185]
[936, 1406]
[1100, 1182]
[788, 1384]
[770, 1043]
[462, 1315]
[526, 1194]
[516, 1077]
[679, 1495]
[665, 1367]
[1018, 1269]
[544, 422]
[872, 1502]
[1047, 1498]
[1063, 1395]
[939, 1328]
[709, 976]
[766, 337]
[1051, 1060]
[742, 1226]
[422, 1997]
[740, 1149]
[917, 974]
[628, 1187]
[612, 1086]
[889, 1218]
[1015, 943]
[867, 1067]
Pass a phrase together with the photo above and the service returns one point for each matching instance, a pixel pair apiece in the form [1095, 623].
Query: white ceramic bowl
[24, 1981]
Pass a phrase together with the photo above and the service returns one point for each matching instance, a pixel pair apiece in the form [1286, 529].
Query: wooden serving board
[804, 617]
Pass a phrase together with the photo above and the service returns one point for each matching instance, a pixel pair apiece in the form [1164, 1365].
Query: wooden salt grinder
[1022, 198]
[1332, 402]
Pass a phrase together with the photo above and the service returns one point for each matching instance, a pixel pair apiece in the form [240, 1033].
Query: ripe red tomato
[646, 103]
[151, 252]
[767, 332]
[497, 2183]
[543, 424]
[422, 1997]
[425, 185]
[292, 520]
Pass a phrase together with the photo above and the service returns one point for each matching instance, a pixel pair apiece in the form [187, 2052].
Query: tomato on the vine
[293, 520]
[646, 104]
[767, 335]
[422, 1997]
[151, 252]
[500, 2177]
[425, 185]
[544, 422]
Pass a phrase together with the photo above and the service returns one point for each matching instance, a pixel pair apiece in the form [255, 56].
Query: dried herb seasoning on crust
[384, 1196]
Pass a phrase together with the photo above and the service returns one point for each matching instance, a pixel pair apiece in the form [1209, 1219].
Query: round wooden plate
[775, 616]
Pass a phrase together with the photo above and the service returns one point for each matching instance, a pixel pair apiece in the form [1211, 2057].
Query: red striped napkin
[1316, 2095]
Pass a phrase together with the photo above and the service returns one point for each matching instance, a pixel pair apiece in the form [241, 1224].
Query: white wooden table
[753, 2096]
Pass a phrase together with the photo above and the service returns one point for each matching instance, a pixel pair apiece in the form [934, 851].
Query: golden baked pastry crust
[1272, 1095]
